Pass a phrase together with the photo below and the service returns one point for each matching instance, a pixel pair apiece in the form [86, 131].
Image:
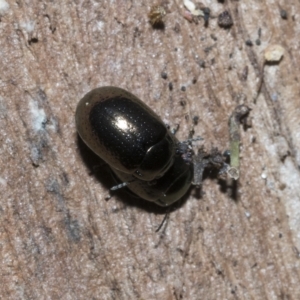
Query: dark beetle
[135, 143]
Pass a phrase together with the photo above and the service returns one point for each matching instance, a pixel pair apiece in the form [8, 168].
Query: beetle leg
[117, 187]
[165, 219]
[189, 141]
[174, 129]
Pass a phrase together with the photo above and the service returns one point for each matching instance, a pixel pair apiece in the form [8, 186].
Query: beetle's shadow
[101, 171]
[213, 174]
[231, 190]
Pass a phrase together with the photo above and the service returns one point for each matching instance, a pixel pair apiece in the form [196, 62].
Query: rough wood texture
[59, 238]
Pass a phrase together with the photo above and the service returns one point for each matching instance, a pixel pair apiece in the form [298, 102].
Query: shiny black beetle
[135, 143]
[140, 150]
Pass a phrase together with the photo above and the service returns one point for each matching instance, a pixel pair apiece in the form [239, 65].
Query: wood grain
[60, 239]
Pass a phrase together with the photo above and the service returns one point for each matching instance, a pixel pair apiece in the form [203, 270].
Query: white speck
[192, 8]
[99, 25]
[289, 175]
[263, 175]
[189, 5]
[274, 53]
[247, 214]
[157, 96]
[3, 181]
[28, 26]
[3, 7]
[38, 116]
[274, 96]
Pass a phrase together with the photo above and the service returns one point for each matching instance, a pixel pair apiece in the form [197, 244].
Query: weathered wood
[59, 238]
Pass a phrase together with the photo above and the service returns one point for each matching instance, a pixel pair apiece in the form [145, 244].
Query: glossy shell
[134, 142]
[165, 190]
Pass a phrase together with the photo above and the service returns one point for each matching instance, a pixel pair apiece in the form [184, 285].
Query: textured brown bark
[59, 238]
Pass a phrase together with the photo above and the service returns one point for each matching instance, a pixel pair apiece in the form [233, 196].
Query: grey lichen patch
[4, 7]
[38, 116]
[40, 123]
[73, 229]
[3, 108]
[71, 225]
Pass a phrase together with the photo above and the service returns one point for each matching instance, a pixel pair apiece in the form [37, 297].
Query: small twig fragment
[225, 19]
[156, 15]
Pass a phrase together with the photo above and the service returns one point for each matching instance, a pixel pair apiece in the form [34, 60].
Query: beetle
[142, 152]
[132, 139]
